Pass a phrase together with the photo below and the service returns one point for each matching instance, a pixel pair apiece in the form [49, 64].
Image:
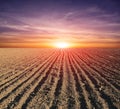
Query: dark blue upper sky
[110, 6]
[80, 20]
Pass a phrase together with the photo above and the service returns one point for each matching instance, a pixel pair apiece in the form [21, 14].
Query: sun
[62, 45]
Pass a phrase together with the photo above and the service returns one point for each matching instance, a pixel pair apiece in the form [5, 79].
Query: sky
[41, 23]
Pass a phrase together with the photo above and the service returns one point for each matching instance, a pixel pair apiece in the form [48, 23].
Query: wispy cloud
[90, 24]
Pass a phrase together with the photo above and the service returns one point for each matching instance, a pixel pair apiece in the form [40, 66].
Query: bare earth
[59, 78]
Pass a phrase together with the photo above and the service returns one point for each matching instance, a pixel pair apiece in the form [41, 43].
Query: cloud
[10, 30]
[77, 23]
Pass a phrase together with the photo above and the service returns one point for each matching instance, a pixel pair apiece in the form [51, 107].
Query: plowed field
[59, 78]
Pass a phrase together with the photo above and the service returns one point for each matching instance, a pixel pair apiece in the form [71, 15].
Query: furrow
[40, 82]
[31, 75]
[58, 86]
[95, 83]
[21, 74]
[83, 104]
[46, 93]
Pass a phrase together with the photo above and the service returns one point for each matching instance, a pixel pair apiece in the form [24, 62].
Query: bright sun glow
[62, 45]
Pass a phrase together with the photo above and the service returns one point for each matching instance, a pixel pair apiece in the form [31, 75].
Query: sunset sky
[41, 23]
